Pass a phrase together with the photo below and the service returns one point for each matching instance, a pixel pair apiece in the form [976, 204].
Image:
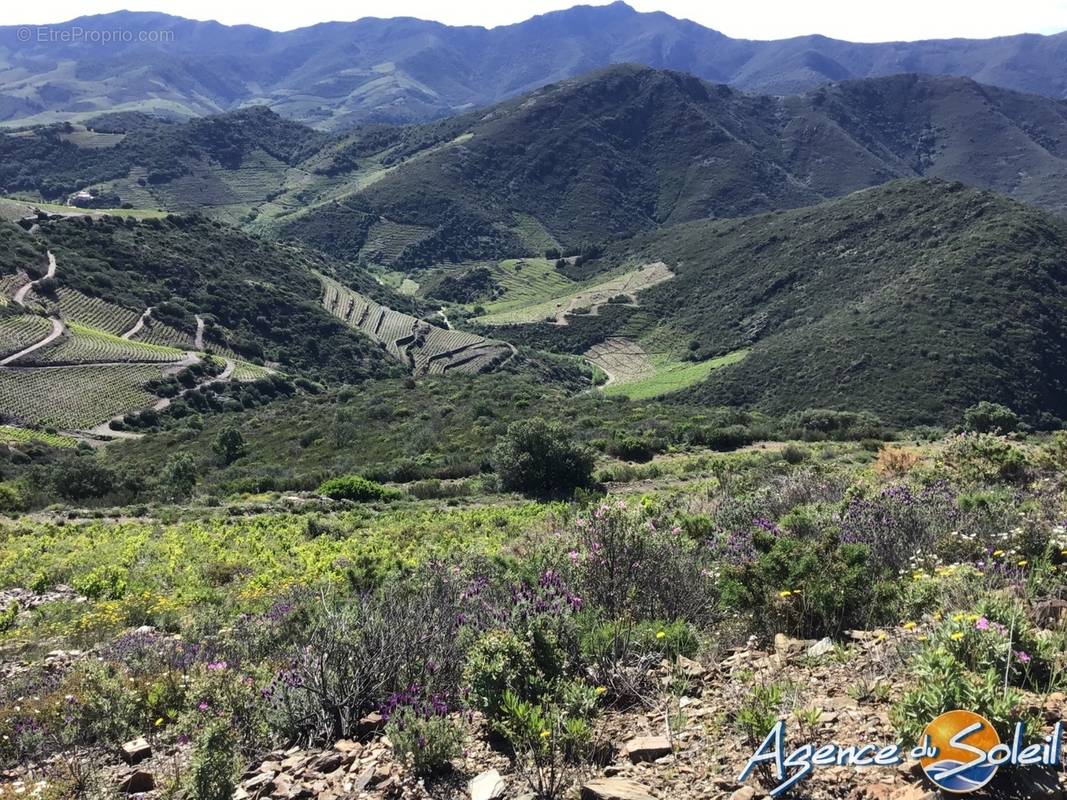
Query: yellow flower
[600, 690]
[660, 635]
[545, 734]
[1023, 562]
[909, 626]
[918, 576]
[785, 593]
[923, 637]
[159, 722]
[957, 636]
[998, 553]
[959, 617]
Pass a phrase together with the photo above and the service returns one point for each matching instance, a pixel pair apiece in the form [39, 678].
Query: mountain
[912, 300]
[336, 74]
[590, 159]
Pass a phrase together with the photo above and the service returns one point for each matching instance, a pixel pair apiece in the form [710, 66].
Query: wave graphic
[967, 781]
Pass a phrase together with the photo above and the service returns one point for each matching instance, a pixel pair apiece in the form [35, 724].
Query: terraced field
[245, 372]
[671, 376]
[76, 397]
[423, 347]
[83, 345]
[591, 297]
[9, 284]
[19, 331]
[386, 240]
[9, 434]
[158, 333]
[91, 312]
[623, 360]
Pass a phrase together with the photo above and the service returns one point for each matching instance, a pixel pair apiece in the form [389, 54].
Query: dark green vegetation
[408, 70]
[596, 158]
[913, 301]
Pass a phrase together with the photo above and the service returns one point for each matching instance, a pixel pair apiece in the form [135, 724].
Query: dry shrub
[895, 462]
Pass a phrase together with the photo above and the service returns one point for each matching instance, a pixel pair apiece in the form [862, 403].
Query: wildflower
[956, 636]
[1023, 562]
[159, 722]
[923, 637]
[600, 690]
[785, 593]
[909, 626]
[660, 634]
[998, 553]
[1022, 656]
[982, 624]
[545, 734]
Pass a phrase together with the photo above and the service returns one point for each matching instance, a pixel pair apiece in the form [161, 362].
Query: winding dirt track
[136, 329]
[198, 343]
[20, 295]
[57, 330]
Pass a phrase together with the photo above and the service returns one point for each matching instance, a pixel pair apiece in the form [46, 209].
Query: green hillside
[913, 300]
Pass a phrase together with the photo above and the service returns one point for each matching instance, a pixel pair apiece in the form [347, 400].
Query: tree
[541, 458]
[229, 445]
[986, 417]
[178, 478]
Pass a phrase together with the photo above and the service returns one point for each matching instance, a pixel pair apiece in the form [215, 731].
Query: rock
[136, 782]
[615, 789]
[263, 783]
[1051, 613]
[691, 668]
[744, 793]
[915, 793]
[364, 779]
[874, 791]
[647, 748]
[328, 762]
[487, 786]
[136, 751]
[347, 746]
[786, 648]
[821, 648]
[370, 724]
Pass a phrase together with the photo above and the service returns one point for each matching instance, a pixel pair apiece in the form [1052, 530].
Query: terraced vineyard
[386, 240]
[9, 434]
[245, 372]
[671, 376]
[9, 284]
[423, 347]
[77, 397]
[590, 297]
[624, 360]
[19, 331]
[158, 333]
[83, 345]
[91, 312]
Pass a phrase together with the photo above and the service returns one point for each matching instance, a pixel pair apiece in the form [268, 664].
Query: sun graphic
[941, 768]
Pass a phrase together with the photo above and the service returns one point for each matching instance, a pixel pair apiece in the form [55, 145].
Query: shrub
[792, 454]
[759, 711]
[214, 764]
[895, 462]
[548, 739]
[12, 498]
[229, 445]
[354, 487]
[808, 588]
[501, 661]
[943, 684]
[423, 733]
[540, 458]
[985, 458]
[986, 417]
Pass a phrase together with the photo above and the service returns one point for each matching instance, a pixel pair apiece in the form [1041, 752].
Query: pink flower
[573, 554]
[1022, 656]
[203, 706]
[982, 624]
[216, 665]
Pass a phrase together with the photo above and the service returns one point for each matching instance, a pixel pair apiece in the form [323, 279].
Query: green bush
[214, 764]
[354, 487]
[11, 498]
[985, 458]
[809, 588]
[501, 661]
[540, 458]
[986, 417]
[426, 742]
[664, 639]
[943, 683]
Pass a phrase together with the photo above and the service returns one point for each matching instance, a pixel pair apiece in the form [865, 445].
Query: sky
[750, 19]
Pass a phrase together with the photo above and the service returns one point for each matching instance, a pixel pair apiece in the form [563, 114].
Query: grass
[670, 376]
[535, 307]
[15, 204]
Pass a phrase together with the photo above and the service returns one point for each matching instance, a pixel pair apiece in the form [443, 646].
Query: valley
[555, 411]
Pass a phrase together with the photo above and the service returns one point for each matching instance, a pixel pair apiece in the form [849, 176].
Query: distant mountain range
[334, 75]
[595, 158]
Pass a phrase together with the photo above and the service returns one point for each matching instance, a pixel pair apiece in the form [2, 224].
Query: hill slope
[403, 70]
[912, 300]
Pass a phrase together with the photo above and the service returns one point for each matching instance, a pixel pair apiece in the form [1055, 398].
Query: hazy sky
[752, 19]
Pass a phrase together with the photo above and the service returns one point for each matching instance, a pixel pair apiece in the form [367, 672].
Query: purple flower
[982, 624]
[1022, 656]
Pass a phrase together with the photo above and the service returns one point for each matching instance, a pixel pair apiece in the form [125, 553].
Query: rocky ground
[684, 747]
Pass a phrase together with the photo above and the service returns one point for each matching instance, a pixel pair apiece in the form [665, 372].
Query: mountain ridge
[336, 74]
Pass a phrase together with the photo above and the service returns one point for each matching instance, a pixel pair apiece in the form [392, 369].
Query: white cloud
[751, 19]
